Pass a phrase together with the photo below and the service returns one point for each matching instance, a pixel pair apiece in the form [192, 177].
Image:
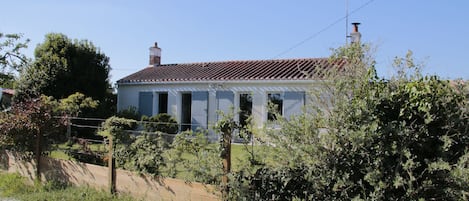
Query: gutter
[223, 81]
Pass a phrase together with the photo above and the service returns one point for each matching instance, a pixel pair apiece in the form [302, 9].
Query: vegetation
[364, 138]
[16, 186]
[192, 157]
[399, 139]
[129, 113]
[20, 128]
[12, 60]
[63, 67]
[142, 153]
[161, 122]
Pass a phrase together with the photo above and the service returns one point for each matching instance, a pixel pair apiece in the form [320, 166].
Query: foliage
[74, 104]
[118, 128]
[11, 58]
[162, 122]
[63, 67]
[16, 186]
[200, 159]
[129, 113]
[398, 139]
[144, 154]
[20, 127]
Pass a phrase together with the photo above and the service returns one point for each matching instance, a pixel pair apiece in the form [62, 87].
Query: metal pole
[346, 22]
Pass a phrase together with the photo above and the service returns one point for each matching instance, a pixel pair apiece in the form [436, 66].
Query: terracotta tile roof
[8, 91]
[282, 69]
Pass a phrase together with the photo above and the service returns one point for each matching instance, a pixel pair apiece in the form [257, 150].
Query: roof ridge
[231, 61]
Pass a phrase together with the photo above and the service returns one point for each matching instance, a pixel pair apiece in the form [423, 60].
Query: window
[186, 105]
[245, 107]
[275, 107]
[162, 103]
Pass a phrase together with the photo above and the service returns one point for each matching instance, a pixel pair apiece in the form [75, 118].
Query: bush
[129, 113]
[193, 154]
[118, 128]
[162, 122]
[400, 139]
[144, 154]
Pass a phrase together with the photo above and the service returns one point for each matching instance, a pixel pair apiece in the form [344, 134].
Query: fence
[98, 150]
[138, 185]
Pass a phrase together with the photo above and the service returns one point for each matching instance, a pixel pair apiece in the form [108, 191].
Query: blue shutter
[225, 101]
[145, 103]
[293, 103]
[199, 109]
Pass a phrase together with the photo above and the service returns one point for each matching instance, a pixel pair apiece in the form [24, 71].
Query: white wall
[128, 95]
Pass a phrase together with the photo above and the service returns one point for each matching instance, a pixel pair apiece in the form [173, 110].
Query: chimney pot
[355, 35]
[155, 55]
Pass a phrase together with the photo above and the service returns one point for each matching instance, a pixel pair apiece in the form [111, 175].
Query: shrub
[161, 122]
[144, 154]
[129, 113]
[399, 139]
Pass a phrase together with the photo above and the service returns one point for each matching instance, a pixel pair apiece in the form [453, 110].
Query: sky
[189, 31]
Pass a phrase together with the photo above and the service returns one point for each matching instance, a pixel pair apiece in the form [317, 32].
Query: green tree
[20, 128]
[63, 67]
[404, 138]
[12, 60]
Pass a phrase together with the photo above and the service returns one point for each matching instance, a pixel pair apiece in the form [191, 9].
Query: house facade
[194, 92]
[6, 98]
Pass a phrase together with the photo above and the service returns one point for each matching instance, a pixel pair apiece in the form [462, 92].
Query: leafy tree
[20, 128]
[400, 139]
[63, 67]
[73, 105]
[11, 58]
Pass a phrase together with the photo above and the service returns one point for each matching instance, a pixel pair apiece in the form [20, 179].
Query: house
[5, 98]
[194, 92]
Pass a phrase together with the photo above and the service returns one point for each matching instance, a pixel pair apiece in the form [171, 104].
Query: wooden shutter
[225, 101]
[145, 103]
[293, 103]
[199, 109]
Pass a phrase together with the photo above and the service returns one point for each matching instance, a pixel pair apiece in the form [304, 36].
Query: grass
[18, 187]
[59, 152]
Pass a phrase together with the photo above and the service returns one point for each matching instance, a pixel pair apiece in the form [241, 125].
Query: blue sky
[218, 30]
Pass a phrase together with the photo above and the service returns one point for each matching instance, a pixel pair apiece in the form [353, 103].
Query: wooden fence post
[69, 128]
[38, 154]
[112, 167]
[226, 163]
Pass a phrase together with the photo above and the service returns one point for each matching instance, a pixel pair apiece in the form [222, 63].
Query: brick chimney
[155, 55]
[355, 35]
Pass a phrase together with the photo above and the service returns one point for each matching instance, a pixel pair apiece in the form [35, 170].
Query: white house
[193, 92]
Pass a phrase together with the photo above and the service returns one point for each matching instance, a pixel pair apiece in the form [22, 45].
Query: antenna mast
[346, 22]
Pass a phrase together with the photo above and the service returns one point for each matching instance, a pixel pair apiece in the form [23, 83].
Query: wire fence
[84, 143]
